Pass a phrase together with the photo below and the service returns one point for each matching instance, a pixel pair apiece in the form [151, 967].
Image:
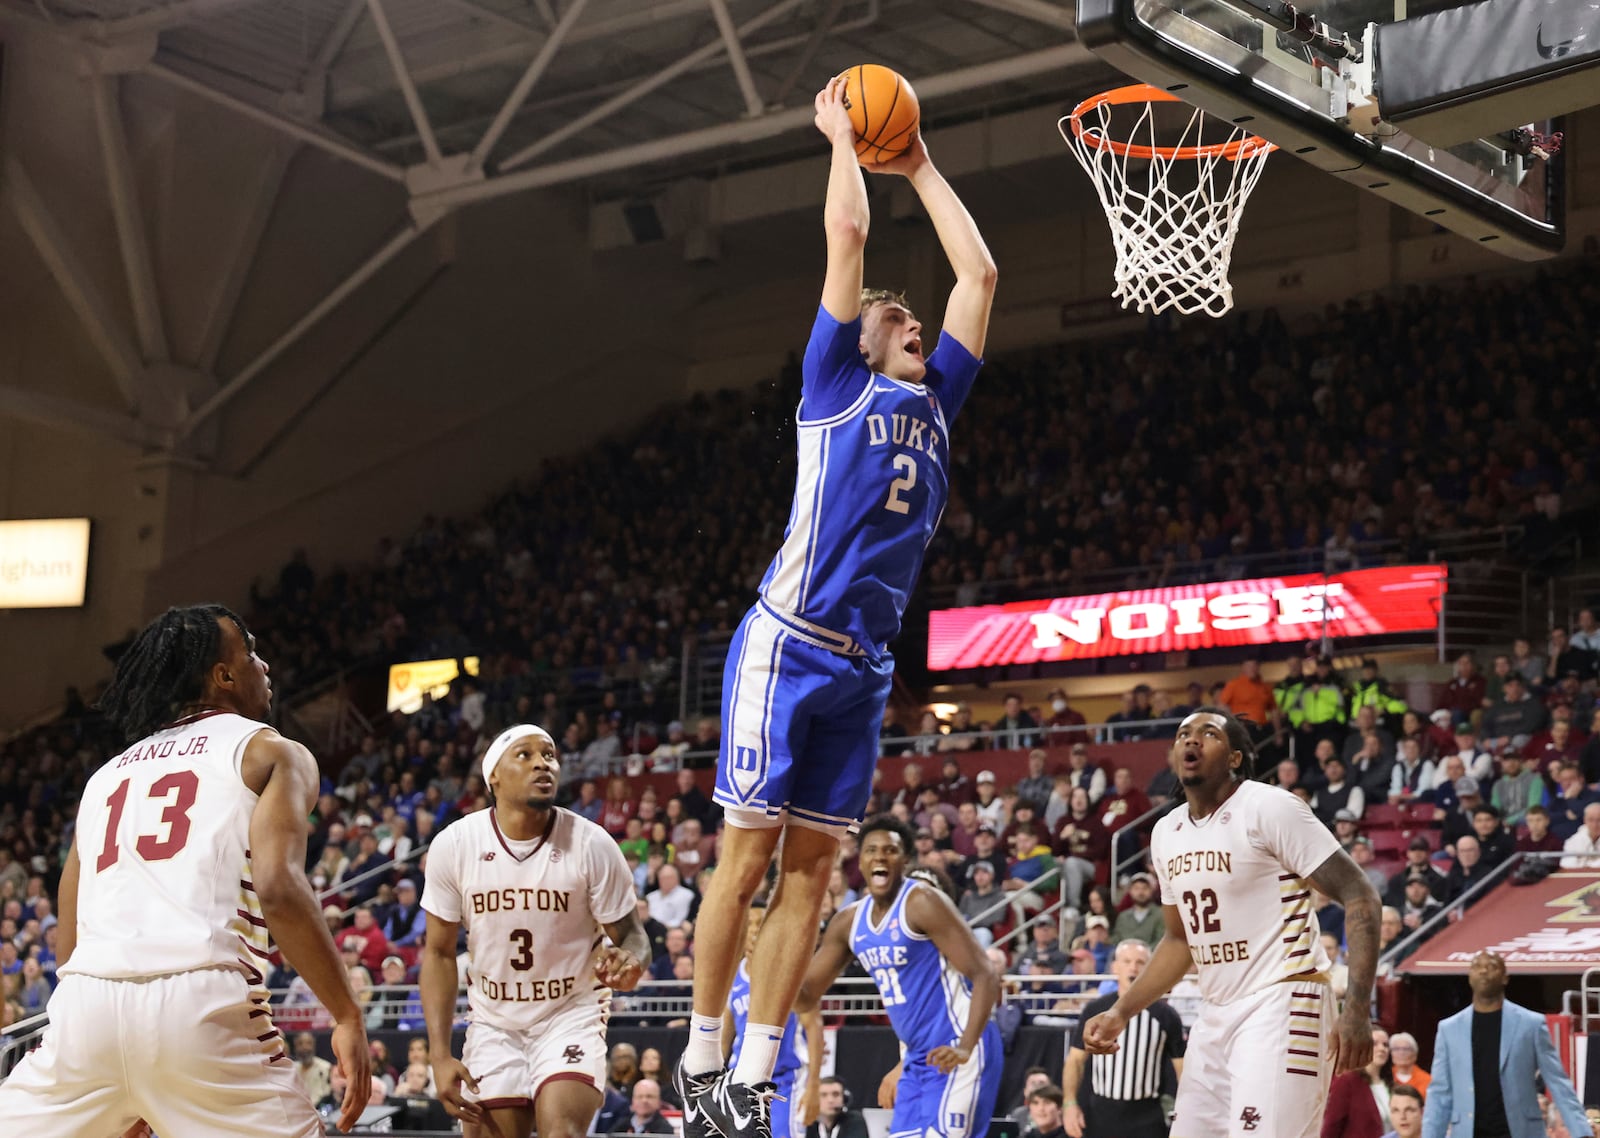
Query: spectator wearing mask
[1065, 722]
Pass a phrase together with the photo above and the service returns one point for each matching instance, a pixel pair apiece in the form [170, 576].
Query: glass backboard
[1218, 56]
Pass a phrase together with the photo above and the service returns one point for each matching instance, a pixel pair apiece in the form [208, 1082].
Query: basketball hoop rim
[1249, 146]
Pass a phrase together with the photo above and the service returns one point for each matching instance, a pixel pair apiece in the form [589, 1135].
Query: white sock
[704, 1052]
[758, 1054]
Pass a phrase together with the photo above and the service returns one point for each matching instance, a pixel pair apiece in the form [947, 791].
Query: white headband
[503, 741]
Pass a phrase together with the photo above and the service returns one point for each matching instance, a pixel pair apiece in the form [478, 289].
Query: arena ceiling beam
[525, 84]
[397, 60]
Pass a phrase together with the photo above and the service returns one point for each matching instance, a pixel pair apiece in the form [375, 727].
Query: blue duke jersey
[926, 998]
[872, 484]
[790, 1057]
[928, 1002]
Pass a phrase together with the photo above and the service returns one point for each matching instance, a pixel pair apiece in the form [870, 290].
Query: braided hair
[164, 670]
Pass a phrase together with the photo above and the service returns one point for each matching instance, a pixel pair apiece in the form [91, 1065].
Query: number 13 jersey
[1238, 880]
[533, 912]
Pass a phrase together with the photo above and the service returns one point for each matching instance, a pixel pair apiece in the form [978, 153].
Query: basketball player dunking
[809, 669]
[1236, 866]
[190, 847]
[538, 889]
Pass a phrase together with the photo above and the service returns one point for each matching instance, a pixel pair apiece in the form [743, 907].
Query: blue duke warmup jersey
[872, 484]
[789, 1058]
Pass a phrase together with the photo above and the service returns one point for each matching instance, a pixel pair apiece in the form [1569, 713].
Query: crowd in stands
[1183, 457]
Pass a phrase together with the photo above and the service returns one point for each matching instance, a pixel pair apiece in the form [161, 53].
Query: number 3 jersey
[927, 999]
[533, 912]
[871, 485]
[1239, 881]
[163, 837]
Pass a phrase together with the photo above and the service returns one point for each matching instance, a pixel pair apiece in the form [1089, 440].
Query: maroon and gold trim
[540, 842]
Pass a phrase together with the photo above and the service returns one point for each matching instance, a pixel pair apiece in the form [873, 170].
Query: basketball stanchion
[1174, 207]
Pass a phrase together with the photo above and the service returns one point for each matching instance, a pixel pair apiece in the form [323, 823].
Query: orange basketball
[883, 108]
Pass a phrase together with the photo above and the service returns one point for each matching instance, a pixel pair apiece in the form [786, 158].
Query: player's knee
[564, 1128]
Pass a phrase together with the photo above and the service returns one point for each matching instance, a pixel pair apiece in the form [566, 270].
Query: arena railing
[661, 1002]
[1453, 909]
[20, 1038]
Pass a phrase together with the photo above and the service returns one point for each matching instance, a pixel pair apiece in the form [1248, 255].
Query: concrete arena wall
[523, 340]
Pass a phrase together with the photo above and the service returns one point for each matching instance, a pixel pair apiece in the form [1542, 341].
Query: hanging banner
[1218, 614]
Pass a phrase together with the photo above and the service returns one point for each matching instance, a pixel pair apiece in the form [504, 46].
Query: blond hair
[872, 297]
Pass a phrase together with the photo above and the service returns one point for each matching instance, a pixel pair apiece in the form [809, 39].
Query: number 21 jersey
[1238, 879]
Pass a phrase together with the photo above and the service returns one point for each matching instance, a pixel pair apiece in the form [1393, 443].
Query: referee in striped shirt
[1123, 1097]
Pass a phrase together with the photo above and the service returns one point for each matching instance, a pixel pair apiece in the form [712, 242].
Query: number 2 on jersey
[908, 478]
[1203, 911]
[183, 787]
[888, 981]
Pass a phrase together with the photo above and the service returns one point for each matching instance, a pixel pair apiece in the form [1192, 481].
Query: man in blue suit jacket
[1484, 1061]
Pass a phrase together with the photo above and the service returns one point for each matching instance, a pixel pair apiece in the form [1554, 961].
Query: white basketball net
[1173, 235]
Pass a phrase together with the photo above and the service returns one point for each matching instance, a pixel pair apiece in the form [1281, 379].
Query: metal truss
[463, 101]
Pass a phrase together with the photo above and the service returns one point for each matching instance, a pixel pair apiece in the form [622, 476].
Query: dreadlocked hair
[1238, 738]
[164, 669]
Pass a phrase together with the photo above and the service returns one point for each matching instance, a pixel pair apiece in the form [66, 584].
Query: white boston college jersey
[1238, 879]
[163, 839]
[533, 912]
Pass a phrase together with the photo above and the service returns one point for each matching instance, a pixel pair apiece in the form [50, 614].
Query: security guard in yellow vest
[1373, 691]
[1324, 706]
[1286, 692]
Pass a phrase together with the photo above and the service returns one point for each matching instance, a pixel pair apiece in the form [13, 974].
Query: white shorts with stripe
[1258, 1067]
[512, 1066]
[192, 1053]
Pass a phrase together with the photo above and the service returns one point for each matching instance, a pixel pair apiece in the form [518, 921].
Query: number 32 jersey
[533, 912]
[1238, 879]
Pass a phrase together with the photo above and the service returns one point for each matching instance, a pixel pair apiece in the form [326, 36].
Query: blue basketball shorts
[958, 1105]
[785, 1117]
[800, 728]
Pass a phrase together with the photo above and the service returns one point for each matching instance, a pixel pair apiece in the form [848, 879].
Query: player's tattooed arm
[1343, 880]
[1168, 964]
[832, 955]
[622, 962]
[931, 913]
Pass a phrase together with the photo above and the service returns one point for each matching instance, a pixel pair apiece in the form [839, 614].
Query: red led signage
[1219, 614]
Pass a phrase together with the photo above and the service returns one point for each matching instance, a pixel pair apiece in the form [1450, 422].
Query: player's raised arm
[845, 214]
[832, 955]
[931, 913]
[1168, 964]
[279, 826]
[1343, 880]
[966, 315]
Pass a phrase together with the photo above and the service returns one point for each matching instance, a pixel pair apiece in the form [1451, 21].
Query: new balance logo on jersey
[1250, 1117]
[573, 1053]
[489, 856]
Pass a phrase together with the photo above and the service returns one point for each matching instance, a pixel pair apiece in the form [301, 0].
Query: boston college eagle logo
[573, 1053]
